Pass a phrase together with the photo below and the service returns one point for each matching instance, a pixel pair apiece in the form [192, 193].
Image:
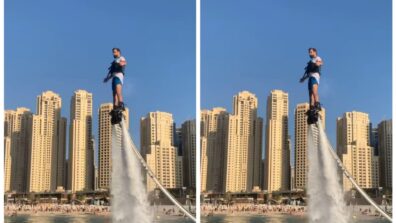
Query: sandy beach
[75, 210]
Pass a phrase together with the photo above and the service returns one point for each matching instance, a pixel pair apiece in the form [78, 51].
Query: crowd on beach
[52, 208]
[15, 209]
[170, 211]
[206, 209]
[260, 209]
[370, 211]
[264, 209]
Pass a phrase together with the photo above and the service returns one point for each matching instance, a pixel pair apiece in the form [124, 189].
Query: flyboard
[313, 116]
[116, 115]
[314, 119]
[117, 118]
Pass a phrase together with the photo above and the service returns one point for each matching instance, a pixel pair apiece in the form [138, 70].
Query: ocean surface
[167, 219]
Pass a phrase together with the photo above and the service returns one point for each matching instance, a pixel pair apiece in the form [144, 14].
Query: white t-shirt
[120, 75]
[316, 75]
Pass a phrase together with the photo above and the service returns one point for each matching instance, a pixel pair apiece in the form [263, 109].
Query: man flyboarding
[312, 73]
[116, 72]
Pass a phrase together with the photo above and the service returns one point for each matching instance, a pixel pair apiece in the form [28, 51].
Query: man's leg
[311, 99]
[315, 93]
[115, 99]
[317, 104]
[310, 92]
[113, 88]
[119, 94]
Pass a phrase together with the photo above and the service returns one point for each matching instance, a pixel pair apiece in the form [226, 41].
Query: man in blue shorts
[116, 73]
[312, 72]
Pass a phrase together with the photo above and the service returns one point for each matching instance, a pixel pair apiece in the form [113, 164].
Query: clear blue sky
[66, 45]
[262, 45]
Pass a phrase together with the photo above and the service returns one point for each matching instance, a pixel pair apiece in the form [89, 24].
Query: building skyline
[371, 161]
[358, 137]
[73, 168]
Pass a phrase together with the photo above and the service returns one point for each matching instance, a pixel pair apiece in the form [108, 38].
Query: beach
[273, 210]
[75, 210]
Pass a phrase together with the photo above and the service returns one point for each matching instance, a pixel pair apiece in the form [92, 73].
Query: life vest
[116, 68]
[312, 68]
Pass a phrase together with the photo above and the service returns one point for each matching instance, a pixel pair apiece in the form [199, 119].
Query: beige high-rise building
[352, 128]
[7, 164]
[277, 152]
[244, 145]
[301, 144]
[46, 158]
[157, 147]
[188, 136]
[105, 142]
[385, 153]
[17, 136]
[81, 151]
[362, 164]
[8, 120]
[204, 164]
[213, 144]
[353, 147]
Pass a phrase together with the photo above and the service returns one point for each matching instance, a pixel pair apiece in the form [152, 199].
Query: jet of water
[326, 197]
[129, 196]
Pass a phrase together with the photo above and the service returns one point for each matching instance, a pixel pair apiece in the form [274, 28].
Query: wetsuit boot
[121, 106]
[318, 106]
[116, 113]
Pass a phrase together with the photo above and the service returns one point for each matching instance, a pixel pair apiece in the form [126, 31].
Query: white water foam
[326, 197]
[129, 196]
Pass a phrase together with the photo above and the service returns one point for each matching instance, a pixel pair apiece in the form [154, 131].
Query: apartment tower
[81, 151]
[277, 148]
[385, 153]
[188, 137]
[301, 144]
[353, 147]
[244, 145]
[17, 139]
[105, 143]
[46, 157]
[213, 144]
[157, 147]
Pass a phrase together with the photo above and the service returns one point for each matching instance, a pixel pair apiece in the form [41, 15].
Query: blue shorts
[311, 82]
[116, 81]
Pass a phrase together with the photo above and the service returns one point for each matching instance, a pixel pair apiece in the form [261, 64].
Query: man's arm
[107, 78]
[305, 76]
[109, 74]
